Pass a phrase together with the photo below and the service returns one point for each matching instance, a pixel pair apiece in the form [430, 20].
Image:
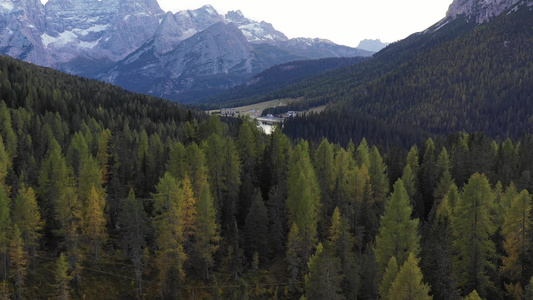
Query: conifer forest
[106, 194]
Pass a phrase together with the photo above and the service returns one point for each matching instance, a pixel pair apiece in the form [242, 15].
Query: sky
[344, 22]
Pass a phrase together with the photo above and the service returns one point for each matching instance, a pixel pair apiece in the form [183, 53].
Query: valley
[403, 174]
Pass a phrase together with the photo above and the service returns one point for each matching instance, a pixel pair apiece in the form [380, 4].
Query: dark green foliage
[214, 200]
[274, 78]
[457, 78]
[134, 225]
[256, 226]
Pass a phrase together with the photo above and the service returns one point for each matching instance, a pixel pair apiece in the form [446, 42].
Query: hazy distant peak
[372, 45]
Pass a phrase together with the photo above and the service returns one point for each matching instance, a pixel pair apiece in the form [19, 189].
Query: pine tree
[5, 161]
[473, 296]
[27, 218]
[378, 178]
[340, 245]
[293, 256]
[207, 234]
[444, 176]
[277, 215]
[303, 196]
[398, 233]
[54, 178]
[168, 225]
[5, 228]
[19, 259]
[134, 225]
[460, 163]
[437, 254]
[196, 169]
[189, 214]
[516, 231]
[428, 179]
[528, 293]
[472, 229]
[103, 153]
[390, 275]
[9, 137]
[408, 283]
[77, 153]
[176, 165]
[256, 228]
[62, 278]
[224, 167]
[69, 217]
[408, 178]
[324, 278]
[325, 171]
[280, 149]
[346, 186]
[94, 231]
[362, 154]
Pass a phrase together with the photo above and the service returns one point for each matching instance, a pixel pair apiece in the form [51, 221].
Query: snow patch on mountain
[255, 32]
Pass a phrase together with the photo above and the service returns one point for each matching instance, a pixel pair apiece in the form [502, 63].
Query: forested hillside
[258, 87]
[441, 81]
[106, 194]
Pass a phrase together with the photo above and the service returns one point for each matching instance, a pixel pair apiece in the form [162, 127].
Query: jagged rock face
[256, 32]
[220, 49]
[20, 25]
[482, 10]
[106, 29]
[133, 43]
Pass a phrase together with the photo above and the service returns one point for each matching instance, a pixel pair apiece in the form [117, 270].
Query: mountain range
[135, 44]
[469, 72]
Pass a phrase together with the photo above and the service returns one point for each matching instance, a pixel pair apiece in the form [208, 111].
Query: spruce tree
[27, 217]
[94, 224]
[19, 260]
[437, 254]
[207, 234]
[398, 233]
[516, 231]
[472, 228]
[134, 228]
[5, 228]
[409, 284]
[168, 225]
[295, 263]
[325, 171]
[378, 178]
[303, 196]
[324, 278]
[62, 278]
[340, 244]
[362, 154]
[256, 229]
[390, 275]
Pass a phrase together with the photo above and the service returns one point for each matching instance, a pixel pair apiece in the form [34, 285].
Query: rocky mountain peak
[168, 34]
[190, 22]
[236, 17]
[255, 32]
[481, 11]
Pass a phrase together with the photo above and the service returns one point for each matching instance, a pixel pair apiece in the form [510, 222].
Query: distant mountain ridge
[372, 45]
[128, 42]
[470, 72]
